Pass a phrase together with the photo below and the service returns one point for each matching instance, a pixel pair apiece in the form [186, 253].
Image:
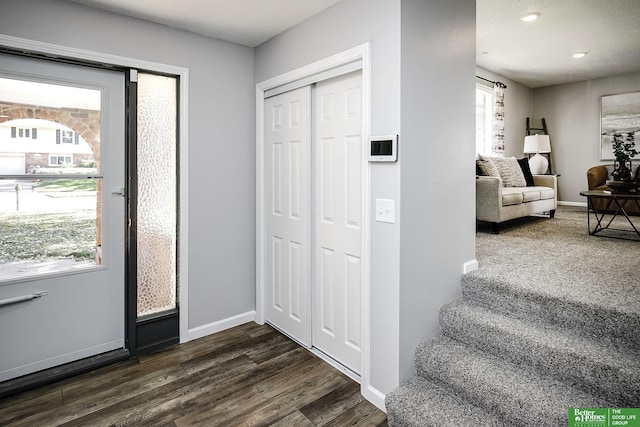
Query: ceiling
[246, 22]
[535, 53]
[539, 53]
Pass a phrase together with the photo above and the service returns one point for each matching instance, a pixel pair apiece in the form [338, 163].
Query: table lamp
[537, 144]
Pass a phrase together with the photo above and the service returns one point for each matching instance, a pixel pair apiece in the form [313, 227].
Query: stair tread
[583, 361]
[585, 316]
[420, 402]
[549, 335]
[513, 391]
[578, 285]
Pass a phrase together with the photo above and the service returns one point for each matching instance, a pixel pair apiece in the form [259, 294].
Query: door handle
[119, 192]
[23, 298]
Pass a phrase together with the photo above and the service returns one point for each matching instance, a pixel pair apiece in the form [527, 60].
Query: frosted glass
[157, 193]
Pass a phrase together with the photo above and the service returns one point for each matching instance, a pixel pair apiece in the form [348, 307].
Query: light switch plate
[385, 211]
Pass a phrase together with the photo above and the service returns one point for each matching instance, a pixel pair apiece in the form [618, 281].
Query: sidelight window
[157, 176]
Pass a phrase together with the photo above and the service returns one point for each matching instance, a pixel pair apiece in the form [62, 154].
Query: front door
[62, 214]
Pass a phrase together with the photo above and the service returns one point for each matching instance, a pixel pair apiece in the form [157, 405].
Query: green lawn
[57, 185]
[38, 236]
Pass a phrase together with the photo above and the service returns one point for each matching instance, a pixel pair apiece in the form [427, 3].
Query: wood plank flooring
[250, 375]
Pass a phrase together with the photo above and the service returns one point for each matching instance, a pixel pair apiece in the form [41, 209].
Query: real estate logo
[604, 417]
[590, 417]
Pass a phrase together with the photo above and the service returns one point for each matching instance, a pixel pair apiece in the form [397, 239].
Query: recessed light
[530, 17]
[579, 54]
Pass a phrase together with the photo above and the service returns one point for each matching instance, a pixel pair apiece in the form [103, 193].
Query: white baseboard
[469, 266]
[374, 396]
[581, 204]
[220, 325]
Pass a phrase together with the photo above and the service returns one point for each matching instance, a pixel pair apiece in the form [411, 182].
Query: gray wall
[416, 263]
[434, 119]
[437, 178]
[518, 105]
[343, 26]
[572, 112]
[221, 120]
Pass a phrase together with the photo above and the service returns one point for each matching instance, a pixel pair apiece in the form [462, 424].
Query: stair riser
[421, 403]
[613, 383]
[619, 329]
[471, 380]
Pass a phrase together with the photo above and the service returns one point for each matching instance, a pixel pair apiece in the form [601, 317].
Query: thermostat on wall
[383, 148]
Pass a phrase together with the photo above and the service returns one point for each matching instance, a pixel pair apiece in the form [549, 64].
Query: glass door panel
[62, 215]
[50, 178]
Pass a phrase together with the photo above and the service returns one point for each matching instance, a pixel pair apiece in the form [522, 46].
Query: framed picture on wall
[619, 113]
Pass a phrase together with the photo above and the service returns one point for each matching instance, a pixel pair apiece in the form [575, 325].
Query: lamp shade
[537, 144]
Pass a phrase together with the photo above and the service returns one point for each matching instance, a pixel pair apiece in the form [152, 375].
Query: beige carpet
[559, 258]
[548, 322]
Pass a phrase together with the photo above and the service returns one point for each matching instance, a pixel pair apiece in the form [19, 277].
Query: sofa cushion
[546, 193]
[487, 167]
[610, 169]
[635, 170]
[526, 171]
[530, 194]
[511, 196]
[508, 169]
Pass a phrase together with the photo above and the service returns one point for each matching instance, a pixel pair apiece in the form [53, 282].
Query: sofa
[597, 177]
[497, 202]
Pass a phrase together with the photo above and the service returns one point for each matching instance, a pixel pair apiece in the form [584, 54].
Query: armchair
[597, 180]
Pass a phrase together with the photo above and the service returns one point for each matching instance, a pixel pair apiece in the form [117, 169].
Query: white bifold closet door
[314, 206]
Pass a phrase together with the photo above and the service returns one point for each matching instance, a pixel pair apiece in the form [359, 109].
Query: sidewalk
[32, 202]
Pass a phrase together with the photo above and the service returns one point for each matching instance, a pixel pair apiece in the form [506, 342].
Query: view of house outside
[47, 223]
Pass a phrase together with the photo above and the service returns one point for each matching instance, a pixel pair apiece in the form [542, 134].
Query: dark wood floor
[250, 375]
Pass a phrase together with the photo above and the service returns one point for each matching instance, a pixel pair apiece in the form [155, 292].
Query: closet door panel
[337, 226]
[286, 179]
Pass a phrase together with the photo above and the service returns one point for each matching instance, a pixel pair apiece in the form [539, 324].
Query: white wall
[572, 112]
[221, 137]
[518, 105]
[438, 150]
[343, 26]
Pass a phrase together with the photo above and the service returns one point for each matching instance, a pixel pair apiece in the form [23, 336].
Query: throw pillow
[487, 167]
[510, 171]
[526, 171]
[610, 170]
[635, 171]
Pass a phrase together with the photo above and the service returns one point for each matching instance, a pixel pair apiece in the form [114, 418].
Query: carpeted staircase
[517, 355]
[509, 357]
